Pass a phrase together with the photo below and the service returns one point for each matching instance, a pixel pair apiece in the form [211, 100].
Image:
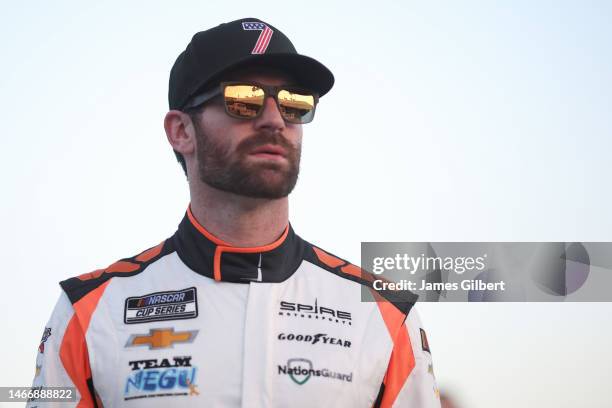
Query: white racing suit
[196, 322]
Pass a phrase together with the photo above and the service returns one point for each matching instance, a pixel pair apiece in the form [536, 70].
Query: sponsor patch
[45, 337]
[315, 312]
[424, 342]
[161, 338]
[161, 377]
[300, 370]
[160, 306]
[318, 338]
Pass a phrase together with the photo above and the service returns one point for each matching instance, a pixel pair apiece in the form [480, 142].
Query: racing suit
[196, 322]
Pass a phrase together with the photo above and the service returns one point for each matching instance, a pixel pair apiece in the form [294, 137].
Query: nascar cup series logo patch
[264, 37]
[160, 306]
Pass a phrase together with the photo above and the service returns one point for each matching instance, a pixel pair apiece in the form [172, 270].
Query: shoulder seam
[346, 270]
[79, 286]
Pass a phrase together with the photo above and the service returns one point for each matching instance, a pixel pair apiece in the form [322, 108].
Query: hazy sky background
[449, 121]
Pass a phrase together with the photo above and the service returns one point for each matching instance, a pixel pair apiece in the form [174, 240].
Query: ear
[180, 132]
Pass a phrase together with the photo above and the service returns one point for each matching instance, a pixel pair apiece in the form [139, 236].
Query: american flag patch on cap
[264, 37]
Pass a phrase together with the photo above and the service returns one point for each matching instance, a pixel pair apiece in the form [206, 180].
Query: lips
[269, 150]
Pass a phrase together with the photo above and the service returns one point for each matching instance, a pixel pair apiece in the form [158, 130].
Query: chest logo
[300, 370]
[320, 338]
[314, 311]
[160, 306]
[161, 338]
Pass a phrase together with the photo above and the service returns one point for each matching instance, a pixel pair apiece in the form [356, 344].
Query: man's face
[257, 158]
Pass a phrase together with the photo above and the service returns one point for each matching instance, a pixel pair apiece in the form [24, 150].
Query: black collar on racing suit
[209, 256]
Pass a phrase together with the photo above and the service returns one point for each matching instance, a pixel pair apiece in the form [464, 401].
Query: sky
[449, 121]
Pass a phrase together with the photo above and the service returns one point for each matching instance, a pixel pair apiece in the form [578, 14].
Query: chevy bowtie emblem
[161, 338]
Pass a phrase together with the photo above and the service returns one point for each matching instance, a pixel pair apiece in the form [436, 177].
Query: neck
[238, 220]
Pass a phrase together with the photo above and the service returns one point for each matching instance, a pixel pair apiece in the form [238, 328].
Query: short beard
[228, 171]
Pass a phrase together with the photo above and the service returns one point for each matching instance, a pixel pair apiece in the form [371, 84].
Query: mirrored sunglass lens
[296, 107]
[244, 101]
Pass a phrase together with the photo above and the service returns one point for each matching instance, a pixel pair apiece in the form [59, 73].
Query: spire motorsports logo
[300, 370]
[314, 311]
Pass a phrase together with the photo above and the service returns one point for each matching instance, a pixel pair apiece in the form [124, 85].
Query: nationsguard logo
[161, 338]
[300, 370]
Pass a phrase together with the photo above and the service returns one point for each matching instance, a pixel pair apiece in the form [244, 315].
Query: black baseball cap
[240, 43]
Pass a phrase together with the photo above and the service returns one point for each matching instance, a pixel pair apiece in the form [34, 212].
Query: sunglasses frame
[269, 91]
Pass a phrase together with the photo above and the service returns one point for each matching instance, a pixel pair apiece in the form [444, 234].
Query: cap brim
[309, 72]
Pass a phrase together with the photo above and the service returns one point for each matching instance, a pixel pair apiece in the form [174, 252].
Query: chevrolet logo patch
[161, 338]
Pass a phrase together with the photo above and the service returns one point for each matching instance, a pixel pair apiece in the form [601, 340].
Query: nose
[270, 119]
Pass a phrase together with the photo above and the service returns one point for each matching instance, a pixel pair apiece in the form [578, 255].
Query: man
[235, 309]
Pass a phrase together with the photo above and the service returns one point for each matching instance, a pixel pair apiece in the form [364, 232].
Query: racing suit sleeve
[62, 359]
[409, 381]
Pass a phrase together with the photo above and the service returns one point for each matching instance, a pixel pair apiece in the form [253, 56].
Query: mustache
[264, 138]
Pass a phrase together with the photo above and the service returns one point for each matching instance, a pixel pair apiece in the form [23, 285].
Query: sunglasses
[246, 100]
